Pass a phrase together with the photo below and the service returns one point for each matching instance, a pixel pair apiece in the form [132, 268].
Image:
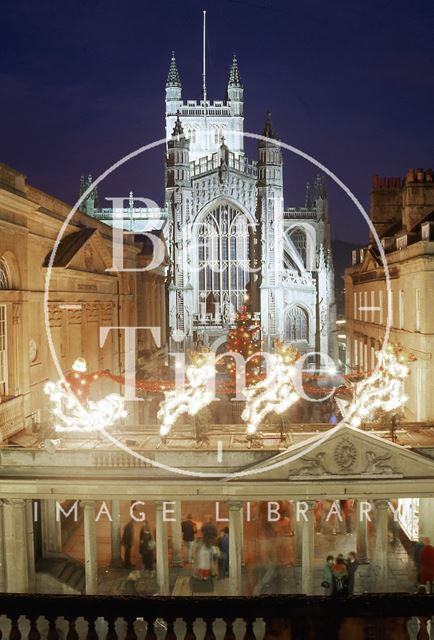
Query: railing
[241, 164]
[214, 618]
[11, 417]
[299, 213]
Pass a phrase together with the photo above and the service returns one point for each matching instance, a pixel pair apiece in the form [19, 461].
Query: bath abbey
[230, 239]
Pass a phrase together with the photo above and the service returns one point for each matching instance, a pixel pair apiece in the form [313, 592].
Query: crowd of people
[205, 550]
[339, 574]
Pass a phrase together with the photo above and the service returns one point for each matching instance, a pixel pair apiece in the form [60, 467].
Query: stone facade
[228, 233]
[402, 213]
[84, 295]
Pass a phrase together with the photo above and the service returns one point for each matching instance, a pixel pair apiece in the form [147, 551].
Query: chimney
[410, 175]
[420, 175]
[417, 197]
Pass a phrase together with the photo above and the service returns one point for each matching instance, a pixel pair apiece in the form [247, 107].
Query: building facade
[403, 215]
[84, 295]
[229, 236]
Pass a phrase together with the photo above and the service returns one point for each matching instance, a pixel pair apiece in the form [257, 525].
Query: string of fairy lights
[379, 393]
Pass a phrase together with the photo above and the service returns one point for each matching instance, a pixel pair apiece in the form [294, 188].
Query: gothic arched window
[223, 244]
[298, 238]
[297, 324]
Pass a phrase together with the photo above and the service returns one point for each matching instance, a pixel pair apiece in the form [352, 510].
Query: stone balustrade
[398, 616]
[11, 417]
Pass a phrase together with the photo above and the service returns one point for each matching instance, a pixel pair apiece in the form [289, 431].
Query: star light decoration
[196, 395]
[74, 415]
[381, 391]
[276, 393]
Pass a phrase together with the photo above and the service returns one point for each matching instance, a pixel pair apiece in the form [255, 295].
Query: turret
[173, 88]
[178, 160]
[235, 91]
[321, 198]
[270, 158]
[90, 203]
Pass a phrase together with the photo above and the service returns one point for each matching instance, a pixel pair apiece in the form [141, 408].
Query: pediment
[83, 250]
[370, 261]
[343, 453]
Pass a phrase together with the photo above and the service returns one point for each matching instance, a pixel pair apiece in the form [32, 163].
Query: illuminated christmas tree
[245, 339]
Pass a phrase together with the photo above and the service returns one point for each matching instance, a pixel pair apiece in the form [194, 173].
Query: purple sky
[351, 83]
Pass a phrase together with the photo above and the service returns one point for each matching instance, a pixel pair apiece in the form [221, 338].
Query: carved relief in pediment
[346, 458]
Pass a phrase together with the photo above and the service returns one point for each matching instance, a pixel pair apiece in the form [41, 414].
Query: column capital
[311, 504]
[381, 504]
[87, 504]
[234, 505]
[17, 503]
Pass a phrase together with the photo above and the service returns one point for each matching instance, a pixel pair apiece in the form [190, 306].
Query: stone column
[15, 545]
[116, 534]
[307, 550]
[3, 586]
[163, 314]
[51, 528]
[381, 542]
[148, 311]
[153, 310]
[298, 537]
[90, 558]
[162, 556]
[235, 546]
[362, 531]
[177, 535]
[30, 547]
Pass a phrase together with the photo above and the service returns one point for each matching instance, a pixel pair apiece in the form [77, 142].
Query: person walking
[352, 566]
[209, 532]
[416, 557]
[127, 542]
[327, 576]
[147, 546]
[340, 577]
[223, 545]
[427, 564]
[189, 531]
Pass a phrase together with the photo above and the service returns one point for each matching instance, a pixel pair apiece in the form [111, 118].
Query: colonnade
[17, 532]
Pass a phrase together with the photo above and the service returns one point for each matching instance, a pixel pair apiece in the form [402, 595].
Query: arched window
[297, 324]
[298, 238]
[223, 245]
[5, 276]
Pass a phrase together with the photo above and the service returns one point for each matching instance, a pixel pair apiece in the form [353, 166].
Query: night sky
[351, 83]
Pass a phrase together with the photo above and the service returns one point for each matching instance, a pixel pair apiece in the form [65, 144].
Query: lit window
[355, 305]
[297, 325]
[298, 237]
[401, 308]
[417, 309]
[224, 257]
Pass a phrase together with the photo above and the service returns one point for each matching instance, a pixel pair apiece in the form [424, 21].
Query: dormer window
[401, 242]
[426, 231]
